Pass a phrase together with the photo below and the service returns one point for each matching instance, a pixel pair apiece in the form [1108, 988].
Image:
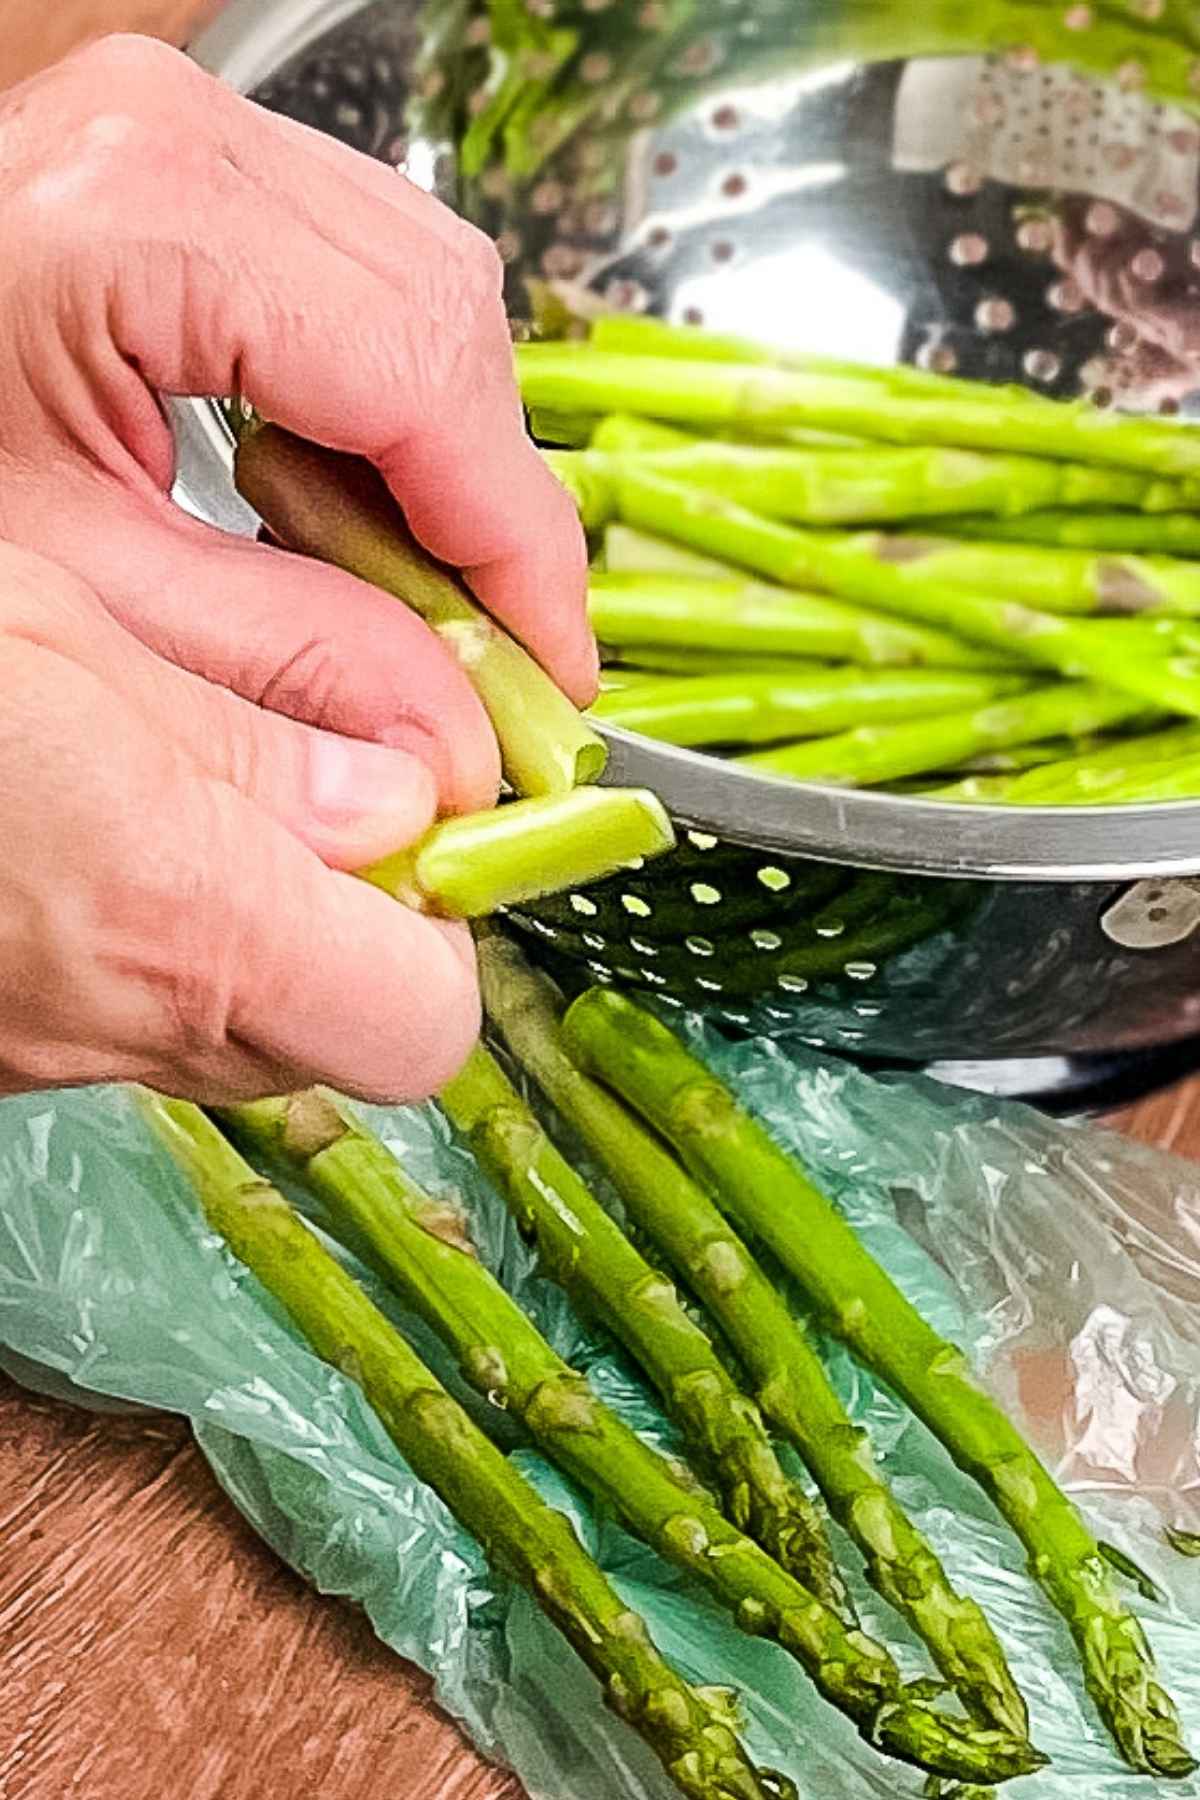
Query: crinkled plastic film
[1064, 1259]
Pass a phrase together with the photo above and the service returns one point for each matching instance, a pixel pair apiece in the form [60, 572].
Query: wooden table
[150, 1646]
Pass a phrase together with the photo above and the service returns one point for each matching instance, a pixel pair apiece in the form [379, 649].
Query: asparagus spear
[489, 1497]
[578, 378]
[789, 1379]
[657, 612]
[1159, 765]
[587, 1254]
[766, 1193]
[762, 709]
[626, 431]
[871, 753]
[1058, 580]
[864, 571]
[828, 487]
[337, 508]
[468, 867]
[653, 661]
[1167, 533]
[503, 1354]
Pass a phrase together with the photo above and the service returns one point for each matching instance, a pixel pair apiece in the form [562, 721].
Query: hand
[173, 238]
[170, 906]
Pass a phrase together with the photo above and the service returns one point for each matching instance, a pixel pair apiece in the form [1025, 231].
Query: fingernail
[351, 782]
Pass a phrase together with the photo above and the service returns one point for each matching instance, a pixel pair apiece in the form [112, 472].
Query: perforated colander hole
[544, 930]
[601, 971]
[861, 971]
[963, 180]
[653, 978]
[1041, 365]
[792, 984]
[702, 840]
[699, 946]
[587, 909]
[776, 881]
[710, 987]
[867, 1009]
[635, 905]
[941, 358]
[995, 314]
[642, 947]
[766, 940]
[593, 941]
[969, 249]
[737, 1018]
[704, 894]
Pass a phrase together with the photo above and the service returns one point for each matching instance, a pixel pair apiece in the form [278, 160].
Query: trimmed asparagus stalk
[875, 753]
[763, 709]
[653, 661]
[573, 378]
[587, 1254]
[502, 1353]
[694, 612]
[817, 487]
[768, 1195]
[338, 508]
[1159, 765]
[626, 431]
[489, 1497]
[865, 570]
[468, 867]
[1057, 580]
[1164, 534]
[789, 1379]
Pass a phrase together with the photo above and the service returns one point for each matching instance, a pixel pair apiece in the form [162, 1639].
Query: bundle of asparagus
[729, 489]
[731, 1366]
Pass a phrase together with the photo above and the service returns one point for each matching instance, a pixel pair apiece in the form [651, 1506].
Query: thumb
[349, 800]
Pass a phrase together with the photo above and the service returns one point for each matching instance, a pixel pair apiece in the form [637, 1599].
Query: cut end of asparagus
[471, 867]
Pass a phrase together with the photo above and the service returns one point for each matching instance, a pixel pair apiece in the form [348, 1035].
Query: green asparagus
[468, 867]
[656, 612]
[789, 1380]
[762, 709]
[1164, 534]
[1159, 765]
[586, 1253]
[502, 1353]
[861, 573]
[577, 378]
[875, 753]
[828, 487]
[338, 509]
[767, 1194]
[1057, 580]
[486, 1493]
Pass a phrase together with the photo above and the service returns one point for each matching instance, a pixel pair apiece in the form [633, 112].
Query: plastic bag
[1065, 1260]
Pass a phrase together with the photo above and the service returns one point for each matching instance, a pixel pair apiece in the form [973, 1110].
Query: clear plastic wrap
[1064, 1259]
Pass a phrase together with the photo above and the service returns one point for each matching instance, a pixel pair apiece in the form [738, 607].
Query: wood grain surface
[150, 1645]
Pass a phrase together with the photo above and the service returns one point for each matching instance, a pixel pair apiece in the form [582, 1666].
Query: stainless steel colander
[1007, 190]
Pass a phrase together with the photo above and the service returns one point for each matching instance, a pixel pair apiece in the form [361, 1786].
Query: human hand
[171, 906]
[176, 239]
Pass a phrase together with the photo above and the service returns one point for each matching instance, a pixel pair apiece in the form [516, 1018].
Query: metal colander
[1008, 191]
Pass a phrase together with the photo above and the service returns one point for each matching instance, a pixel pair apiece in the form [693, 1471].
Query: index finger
[371, 324]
